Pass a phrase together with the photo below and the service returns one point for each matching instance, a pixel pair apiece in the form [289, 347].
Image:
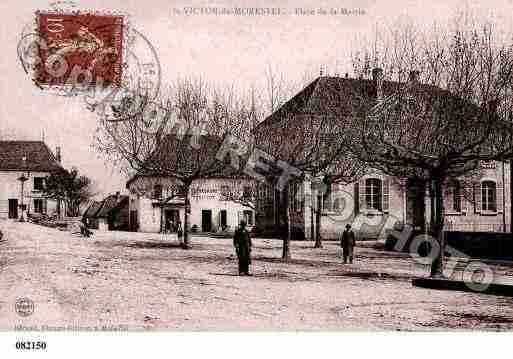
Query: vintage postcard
[292, 166]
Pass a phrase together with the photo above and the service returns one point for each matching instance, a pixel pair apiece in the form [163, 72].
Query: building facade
[158, 205]
[110, 214]
[23, 168]
[376, 202]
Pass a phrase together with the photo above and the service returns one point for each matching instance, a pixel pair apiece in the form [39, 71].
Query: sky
[226, 50]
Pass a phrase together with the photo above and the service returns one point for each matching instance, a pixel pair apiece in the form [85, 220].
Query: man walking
[242, 244]
[347, 243]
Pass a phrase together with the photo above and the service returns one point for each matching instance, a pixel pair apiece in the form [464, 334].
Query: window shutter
[361, 196]
[477, 197]
[499, 196]
[464, 198]
[460, 197]
[449, 200]
[45, 204]
[356, 198]
[386, 194]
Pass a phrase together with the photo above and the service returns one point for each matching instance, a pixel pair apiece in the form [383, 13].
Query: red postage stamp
[79, 49]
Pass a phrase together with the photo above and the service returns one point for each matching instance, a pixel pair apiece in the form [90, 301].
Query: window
[181, 190]
[157, 191]
[295, 199]
[373, 193]
[489, 196]
[39, 183]
[247, 193]
[336, 205]
[248, 217]
[38, 205]
[456, 196]
[225, 192]
[327, 197]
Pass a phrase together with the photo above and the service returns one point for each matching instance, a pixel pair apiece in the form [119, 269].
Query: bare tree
[177, 138]
[442, 115]
[344, 169]
[300, 144]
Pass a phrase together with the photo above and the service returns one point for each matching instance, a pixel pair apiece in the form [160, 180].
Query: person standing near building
[179, 233]
[347, 243]
[242, 244]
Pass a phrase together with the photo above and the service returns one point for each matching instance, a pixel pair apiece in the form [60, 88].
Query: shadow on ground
[369, 275]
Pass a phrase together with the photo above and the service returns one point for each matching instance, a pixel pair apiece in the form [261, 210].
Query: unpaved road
[119, 280]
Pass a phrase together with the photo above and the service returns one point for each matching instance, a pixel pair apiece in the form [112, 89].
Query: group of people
[242, 243]
[173, 227]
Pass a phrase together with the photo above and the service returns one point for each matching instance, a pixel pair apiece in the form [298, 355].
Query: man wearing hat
[347, 243]
[242, 244]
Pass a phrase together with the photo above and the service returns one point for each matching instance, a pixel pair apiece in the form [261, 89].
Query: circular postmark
[24, 307]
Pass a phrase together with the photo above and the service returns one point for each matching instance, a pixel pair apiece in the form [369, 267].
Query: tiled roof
[328, 95]
[38, 156]
[188, 159]
[109, 203]
[91, 211]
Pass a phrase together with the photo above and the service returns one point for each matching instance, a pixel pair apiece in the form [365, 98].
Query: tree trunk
[277, 213]
[187, 212]
[312, 217]
[286, 234]
[318, 239]
[432, 203]
[437, 266]
[161, 215]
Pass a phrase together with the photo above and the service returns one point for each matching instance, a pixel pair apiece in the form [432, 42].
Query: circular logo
[24, 307]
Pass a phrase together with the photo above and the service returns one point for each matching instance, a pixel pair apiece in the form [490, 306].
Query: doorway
[416, 203]
[133, 221]
[206, 220]
[171, 219]
[13, 208]
[223, 219]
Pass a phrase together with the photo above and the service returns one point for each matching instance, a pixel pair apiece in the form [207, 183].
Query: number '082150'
[31, 345]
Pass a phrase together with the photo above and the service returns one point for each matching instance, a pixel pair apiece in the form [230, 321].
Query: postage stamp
[79, 48]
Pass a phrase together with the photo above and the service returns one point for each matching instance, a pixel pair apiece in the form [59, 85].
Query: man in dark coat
[84, 227]
[242, 244]
[348, 242]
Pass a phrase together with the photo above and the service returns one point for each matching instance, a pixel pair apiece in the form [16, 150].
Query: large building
[219, 199]
[376, 200]
[156, 205]
[24, 165]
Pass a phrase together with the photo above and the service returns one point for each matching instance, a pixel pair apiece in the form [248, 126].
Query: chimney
[377, 77]
[58, 154]
[414, 76]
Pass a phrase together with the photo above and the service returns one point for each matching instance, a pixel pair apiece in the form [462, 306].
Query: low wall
[483, 245]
